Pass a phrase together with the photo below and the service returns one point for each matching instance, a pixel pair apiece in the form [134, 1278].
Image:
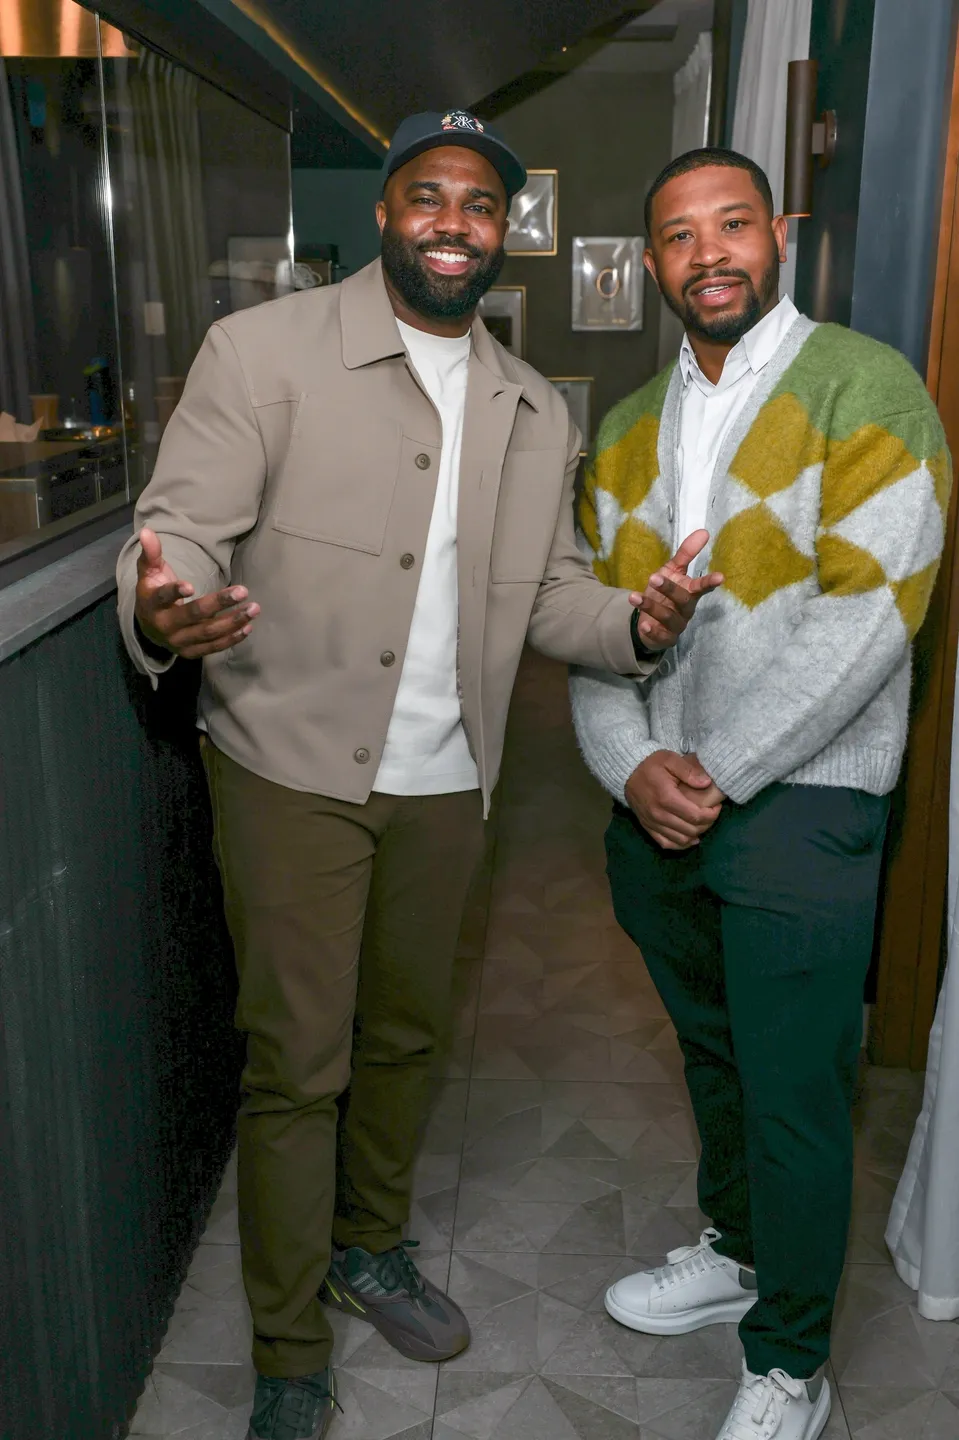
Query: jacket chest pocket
[531, 490]
[337, 482]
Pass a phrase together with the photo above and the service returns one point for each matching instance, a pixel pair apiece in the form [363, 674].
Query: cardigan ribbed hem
[856, 767]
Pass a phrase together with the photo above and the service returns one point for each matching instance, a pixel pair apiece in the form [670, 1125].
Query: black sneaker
[293, 1409]
[415, 1317]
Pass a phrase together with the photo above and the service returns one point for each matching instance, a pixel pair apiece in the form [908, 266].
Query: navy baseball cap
[431, 129]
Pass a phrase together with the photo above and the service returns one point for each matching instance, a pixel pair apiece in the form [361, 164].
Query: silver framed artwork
[577, 391]
[608, 282]
[504, 314]
[534, 215]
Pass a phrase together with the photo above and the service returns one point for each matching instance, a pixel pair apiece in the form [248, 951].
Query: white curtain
[691, 92]
[777, 31]
[923, 1230]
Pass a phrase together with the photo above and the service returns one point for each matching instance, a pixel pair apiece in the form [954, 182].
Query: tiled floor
[560, 1153]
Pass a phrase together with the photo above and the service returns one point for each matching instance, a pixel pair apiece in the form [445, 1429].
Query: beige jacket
[301, 462]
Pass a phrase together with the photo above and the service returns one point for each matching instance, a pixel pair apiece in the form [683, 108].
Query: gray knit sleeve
[612, 726]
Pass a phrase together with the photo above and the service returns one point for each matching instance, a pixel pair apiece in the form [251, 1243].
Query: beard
[727, 329]
[438, 297]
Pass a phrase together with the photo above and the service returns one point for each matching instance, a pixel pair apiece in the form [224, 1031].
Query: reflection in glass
[127, 160]
[61, 431]
[201, 190]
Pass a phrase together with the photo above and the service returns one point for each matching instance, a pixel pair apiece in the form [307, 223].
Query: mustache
[472, 251]
[716, 275]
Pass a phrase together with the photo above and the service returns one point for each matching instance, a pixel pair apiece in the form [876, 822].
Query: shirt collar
[754, 351]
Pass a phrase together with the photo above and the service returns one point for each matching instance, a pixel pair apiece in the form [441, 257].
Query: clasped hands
[671, 795]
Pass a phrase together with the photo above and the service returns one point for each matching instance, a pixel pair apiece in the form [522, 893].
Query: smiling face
[715, 251]
[443, 222]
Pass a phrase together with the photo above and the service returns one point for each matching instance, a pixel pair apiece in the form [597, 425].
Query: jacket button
[387, 658]
[361, 756]
[685, 746]
[669, 513]
[423, 462]
[407, 562]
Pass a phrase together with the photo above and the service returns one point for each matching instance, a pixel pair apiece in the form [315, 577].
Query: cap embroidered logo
[461, 120]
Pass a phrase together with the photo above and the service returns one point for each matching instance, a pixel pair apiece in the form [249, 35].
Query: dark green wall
[335, 207]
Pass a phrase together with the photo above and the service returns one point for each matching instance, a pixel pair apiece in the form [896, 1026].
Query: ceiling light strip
[268, 25]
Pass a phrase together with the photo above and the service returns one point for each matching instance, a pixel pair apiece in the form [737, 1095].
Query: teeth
[451, 255]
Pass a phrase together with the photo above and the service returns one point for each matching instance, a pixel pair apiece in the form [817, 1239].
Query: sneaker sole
[317, 1434]
[820, 1416]
[343, 1298]
[728, 1312]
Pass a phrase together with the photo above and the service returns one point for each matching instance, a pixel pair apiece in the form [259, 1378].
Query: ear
[781, 232]
[380, 215]
[649, 260]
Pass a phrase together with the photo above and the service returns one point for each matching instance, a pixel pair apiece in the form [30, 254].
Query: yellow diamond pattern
[766, 461]
[868, 461]
[637, 552]
[757, 557]
[847, 569]
[630, 468]
[912, 596]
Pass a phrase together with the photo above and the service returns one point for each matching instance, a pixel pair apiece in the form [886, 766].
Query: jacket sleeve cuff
[617, 640]
[147, 659]
[729, 767]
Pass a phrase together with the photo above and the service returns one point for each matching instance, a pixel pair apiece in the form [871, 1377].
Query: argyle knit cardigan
[826, 513]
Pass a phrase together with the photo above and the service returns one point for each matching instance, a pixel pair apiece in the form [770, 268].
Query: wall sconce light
[806, 135]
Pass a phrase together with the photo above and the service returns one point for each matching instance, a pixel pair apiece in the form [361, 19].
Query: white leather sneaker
[777, 1407]
[695, 1287]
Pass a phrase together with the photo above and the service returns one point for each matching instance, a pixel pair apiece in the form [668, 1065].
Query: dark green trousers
[759, 942]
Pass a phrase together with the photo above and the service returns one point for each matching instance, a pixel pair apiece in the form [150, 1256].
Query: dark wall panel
[841, 40]
[902, 166]
[118, 1061]
[867, 253]
[606, 160]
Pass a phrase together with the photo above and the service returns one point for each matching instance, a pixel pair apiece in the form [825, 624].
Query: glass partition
[137, 204]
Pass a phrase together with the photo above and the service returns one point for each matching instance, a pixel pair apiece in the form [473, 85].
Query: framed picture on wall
[577, 391]
[608, 282]
[504, 314]
[534, 215]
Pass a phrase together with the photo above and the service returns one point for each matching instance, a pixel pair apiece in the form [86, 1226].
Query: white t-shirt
[426, 751]
[709, 411]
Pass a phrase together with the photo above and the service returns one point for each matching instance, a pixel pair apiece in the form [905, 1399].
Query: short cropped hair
[699, 160]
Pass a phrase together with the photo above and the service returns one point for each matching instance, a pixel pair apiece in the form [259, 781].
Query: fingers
[665, 842]
[692, 546]
[683, 594]
[207, 607]
[151, 551]
[212, 647]
[207, 636]
[162, 596]
[688, 771]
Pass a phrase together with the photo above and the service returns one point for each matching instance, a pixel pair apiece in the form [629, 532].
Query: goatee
[728, 329]
[438, 297]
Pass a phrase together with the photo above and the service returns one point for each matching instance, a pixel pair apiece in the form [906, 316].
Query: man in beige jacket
[360, 512]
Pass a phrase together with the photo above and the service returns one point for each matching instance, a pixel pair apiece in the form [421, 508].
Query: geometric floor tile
[560, 1155]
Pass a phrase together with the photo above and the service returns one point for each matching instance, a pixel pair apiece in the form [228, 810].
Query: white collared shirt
[708, 412]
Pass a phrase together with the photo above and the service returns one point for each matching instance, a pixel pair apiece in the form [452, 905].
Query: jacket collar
[370, 333]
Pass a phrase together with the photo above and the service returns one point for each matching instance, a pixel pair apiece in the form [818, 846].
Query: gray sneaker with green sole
[408, 1310]
[293, 1409]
